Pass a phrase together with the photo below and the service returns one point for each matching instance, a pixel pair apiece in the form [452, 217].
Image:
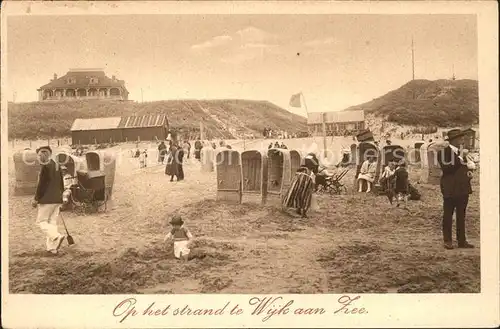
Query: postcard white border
[384, 310]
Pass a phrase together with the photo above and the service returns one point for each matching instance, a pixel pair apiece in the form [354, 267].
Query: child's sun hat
[176, 220]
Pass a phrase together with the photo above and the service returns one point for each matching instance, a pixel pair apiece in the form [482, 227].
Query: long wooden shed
[119, 129]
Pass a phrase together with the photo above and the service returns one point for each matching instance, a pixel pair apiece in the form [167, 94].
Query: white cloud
[244, 45]
[217, 41]
[252, 34]
[321, 42]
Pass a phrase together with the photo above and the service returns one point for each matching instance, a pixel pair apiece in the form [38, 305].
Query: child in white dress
[181, 237]
[142, 159]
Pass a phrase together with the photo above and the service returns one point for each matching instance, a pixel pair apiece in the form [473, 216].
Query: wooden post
[324, 134]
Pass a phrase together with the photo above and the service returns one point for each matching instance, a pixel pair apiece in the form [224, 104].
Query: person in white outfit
[69, 181]
[181, 237]
[367, 174]
[143, 159]
[48, 199]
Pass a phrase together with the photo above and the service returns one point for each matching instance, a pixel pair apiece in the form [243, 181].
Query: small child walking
[143, 157]
[181, 237]
[402, 186]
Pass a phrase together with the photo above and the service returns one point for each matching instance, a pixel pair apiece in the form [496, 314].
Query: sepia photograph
[179, 153]
[298, 155]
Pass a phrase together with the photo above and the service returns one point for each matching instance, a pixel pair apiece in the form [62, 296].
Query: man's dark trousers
[457, 204]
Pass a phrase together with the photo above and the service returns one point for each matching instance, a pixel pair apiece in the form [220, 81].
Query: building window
[71, 81]
[94, 81]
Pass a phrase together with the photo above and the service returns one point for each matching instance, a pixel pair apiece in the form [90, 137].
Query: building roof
[96, 124]
[143, 121]
[82, 78]
[152, 120]
[339, 116]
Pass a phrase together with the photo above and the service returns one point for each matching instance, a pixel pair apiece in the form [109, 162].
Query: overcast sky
[344, 59]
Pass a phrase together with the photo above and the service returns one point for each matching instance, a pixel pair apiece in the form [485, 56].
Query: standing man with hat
[48, 199]
[455, 187]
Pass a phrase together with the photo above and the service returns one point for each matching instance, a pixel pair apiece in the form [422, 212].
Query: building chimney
[55, 76]
[113, 77]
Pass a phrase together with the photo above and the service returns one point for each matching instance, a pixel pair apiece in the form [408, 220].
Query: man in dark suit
[455, 187]
[48, 199]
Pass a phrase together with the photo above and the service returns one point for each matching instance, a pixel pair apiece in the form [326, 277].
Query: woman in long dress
[171, 168]
[300, 192]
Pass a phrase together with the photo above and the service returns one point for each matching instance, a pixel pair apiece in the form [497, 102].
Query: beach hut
[27, 168]
[295, 161]
[72, 163]
[229, 175]
[279, 170]
[431, 171]
[470, 139]
[364, 151]
[392, 153]
[104, 162]
[254, 168]
[207, 157]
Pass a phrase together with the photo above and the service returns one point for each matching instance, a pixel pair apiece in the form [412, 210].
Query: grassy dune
[46, 119]
[439, 103]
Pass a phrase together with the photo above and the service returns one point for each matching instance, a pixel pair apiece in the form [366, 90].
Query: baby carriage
[331, 184]
[88, 193]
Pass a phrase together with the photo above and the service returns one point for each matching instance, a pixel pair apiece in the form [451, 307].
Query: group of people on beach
[457, 172]
[277, 145]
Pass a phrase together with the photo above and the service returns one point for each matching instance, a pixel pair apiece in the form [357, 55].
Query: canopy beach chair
[27, 168]
[255, 175]
[279, 173]
[431, 171]
[229, 176]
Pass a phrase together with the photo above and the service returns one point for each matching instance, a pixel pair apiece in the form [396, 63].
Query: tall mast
[412, 61]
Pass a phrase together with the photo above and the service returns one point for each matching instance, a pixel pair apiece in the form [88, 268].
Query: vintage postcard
[249, 164]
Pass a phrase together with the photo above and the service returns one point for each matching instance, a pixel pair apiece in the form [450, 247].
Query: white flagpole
[305, 104]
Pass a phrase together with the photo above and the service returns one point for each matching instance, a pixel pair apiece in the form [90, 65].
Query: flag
[295, 101]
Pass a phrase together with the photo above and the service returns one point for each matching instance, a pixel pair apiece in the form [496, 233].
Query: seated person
[389, 171]
[68, 181]
[367, 174]
[402, 188]
[321, 177]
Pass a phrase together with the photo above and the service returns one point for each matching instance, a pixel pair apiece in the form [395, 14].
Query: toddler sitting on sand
[181, 237]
